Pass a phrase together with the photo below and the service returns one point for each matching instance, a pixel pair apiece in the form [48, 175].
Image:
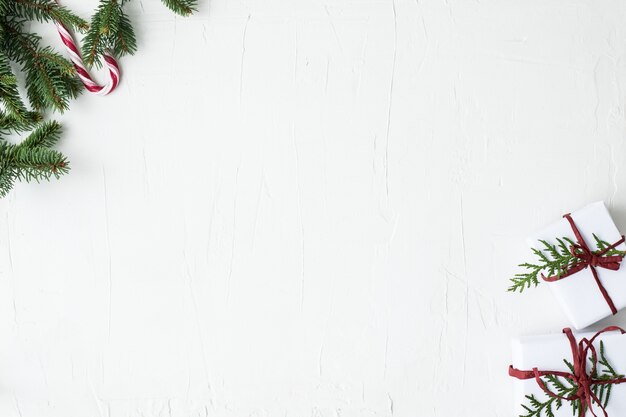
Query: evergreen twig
[553, 260]
[32, 159]
[181, 7]
[566, 387]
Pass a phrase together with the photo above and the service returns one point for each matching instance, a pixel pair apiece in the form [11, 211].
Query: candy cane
[90, 84]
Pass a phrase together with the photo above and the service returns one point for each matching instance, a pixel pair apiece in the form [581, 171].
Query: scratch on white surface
[613, 168]
[300, 214]
[257, 210]
[390, 102]
[146, 181]
[243, 55]
[480, 313]
[362, 62]
[332, 25]
[17, 405]
[443, 329]
[467, 287]
[192, 295]
[173, 53]
[319, 359]
[95, 396]
[10, 255]
[209, 234]
[390, 403]
[326, 77]
[295, 59]
[108, 242]
[596, 86]
[232, 246]
[375, 147]
[8, 233]
[386, 351]
[43, 370]
[423, 25]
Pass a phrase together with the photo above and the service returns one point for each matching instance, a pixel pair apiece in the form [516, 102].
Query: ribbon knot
[596, 259]
[582, 352]
[585, 258]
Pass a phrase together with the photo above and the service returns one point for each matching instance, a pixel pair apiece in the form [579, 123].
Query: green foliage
[50, 79]
[561, 386]
[181, 7]
[16, 116]
[110, 30]
[32, 159]
[44, 11]
[553, 260]
[608, 372]
[567, 387]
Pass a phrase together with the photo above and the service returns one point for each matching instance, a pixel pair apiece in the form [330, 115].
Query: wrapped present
[571, 374]
[580, 258]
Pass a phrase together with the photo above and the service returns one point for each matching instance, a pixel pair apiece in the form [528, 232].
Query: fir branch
[50, 79]
[32, 159]
[181, 7]
[110, 29]
[47, 11]
[5, 6]
[46, 135]
[17, 118]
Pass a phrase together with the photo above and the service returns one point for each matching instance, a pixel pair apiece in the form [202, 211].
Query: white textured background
[307, 209]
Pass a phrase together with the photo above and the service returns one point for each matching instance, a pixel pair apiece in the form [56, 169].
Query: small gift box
[570, 374]
[580, 259]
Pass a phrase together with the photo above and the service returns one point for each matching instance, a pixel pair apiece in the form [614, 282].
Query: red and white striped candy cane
[90, 84]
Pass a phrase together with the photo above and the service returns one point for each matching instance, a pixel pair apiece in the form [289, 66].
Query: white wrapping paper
[546, 353]
[578, 294]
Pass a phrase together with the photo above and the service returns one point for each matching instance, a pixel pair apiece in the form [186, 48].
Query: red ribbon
[588, 258]
[583, 380]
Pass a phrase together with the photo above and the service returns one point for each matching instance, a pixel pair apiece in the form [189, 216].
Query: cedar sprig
[603, 392]
[566, 387]
[553, 260]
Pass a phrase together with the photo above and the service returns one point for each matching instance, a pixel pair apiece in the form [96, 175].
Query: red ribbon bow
[583, 380]
[587, 258]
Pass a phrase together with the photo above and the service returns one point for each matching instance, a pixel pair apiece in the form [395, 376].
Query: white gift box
[546, 353]
[579, 294]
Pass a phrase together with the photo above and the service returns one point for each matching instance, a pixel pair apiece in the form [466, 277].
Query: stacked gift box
[575, 373]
